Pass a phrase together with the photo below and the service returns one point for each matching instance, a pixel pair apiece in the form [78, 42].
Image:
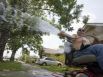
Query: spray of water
[37, 24]
[44, 26]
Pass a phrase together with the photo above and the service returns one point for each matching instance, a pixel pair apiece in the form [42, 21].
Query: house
[53, 51]
[94, 29]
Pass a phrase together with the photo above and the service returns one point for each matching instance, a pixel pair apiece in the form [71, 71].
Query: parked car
[48, 61]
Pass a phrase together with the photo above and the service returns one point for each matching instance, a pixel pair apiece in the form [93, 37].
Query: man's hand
[61, 34]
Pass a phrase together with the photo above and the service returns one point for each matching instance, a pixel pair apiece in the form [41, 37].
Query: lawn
[10, 66]
[58, 69]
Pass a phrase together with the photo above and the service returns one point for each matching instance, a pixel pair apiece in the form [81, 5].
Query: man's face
[80, 32]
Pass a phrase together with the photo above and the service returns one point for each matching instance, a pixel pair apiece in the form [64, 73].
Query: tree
[15, 32]
[24, 36]
[66, 10]
[14, 44]
[85, 19]
[4, 29]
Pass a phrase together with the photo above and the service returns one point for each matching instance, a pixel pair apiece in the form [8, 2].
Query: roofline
[94, 23]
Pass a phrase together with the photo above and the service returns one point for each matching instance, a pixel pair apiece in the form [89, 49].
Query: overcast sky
[93, 8]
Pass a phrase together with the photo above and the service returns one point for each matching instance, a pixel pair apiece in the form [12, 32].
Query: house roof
[94, 24]
[53, 51]
[95, 29]
[90, 26]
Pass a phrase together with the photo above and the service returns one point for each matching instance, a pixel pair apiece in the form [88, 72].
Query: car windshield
[50, 59]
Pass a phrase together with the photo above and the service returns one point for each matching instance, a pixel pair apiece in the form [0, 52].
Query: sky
[93, 8]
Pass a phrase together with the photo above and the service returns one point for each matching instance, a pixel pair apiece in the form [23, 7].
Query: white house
[95, 29]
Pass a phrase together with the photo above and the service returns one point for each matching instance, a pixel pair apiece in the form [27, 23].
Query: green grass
[11, 66]
[54, 68]
[59, 69]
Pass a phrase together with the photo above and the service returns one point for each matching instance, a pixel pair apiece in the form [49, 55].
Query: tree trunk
[13, 55]
[4, 35]
[41, 53]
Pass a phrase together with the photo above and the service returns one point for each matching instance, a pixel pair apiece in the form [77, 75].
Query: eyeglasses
[81, 30]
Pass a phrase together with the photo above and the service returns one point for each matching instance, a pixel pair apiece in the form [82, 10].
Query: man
[85, 54]
[78, 40]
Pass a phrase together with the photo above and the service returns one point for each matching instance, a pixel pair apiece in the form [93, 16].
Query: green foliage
[20, 4]
[66, 10]
[59, 57]
[85, 19]
[25, 58]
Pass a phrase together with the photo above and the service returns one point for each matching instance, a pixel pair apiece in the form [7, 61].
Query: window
[50, 59]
